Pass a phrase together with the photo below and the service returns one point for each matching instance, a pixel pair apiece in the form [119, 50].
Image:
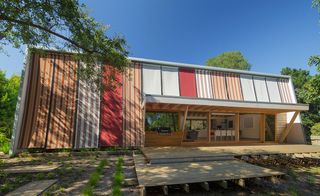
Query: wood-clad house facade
[155, 103]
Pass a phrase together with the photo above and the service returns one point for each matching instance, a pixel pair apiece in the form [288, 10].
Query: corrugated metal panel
[63, 103]
[204, 87]
[170, 81]
[111, 109]
[133, 119]
[261, 89]
[88, 115]
[219, 85]
[187, 82]
[234, 86]
[247, 88]
[284, 90]
[273, 90]
[151, 79]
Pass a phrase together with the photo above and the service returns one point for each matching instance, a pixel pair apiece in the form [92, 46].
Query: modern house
[157, 103]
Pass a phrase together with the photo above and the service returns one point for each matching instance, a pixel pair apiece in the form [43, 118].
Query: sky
[271, 34]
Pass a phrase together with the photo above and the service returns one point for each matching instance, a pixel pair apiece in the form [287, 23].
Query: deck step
[189, 159]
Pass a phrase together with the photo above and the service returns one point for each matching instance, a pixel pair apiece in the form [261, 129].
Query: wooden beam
[237, 127]
[205, 186]
[288, 128]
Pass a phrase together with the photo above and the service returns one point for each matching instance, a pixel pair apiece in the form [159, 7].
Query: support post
[205, 186]
[288, 128]
[241, 183]
[186, 188]
[184, 122]
[209, 126]
[165, 189]
[237, 127]
[262, 127]
[223, 184]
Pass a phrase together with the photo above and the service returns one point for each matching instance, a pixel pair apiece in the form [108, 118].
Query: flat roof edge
[177, 64]
[225, 103]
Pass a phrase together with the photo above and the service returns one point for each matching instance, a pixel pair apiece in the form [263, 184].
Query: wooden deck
[157, 153]
[196, 172]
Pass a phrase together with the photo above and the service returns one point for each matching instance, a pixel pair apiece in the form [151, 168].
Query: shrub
[315, 130]
[4, 144]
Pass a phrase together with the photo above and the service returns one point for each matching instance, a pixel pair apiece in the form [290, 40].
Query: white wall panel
[151, 75]
[261, 89]
[170, 81]
[273, 90]
[247, 88]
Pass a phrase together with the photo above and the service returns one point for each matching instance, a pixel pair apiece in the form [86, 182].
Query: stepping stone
[33, 188]
[30, 169]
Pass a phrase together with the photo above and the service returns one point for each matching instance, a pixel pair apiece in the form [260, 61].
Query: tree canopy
[62, 24]
[8, 99]
[232, 60]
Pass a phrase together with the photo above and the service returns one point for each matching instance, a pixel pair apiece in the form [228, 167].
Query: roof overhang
[155, 102]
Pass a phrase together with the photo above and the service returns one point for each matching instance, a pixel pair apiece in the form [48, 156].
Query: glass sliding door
[222, 127]
[270, 128]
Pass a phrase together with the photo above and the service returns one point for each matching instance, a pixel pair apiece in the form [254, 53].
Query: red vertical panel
[111, 109]
[187, 82]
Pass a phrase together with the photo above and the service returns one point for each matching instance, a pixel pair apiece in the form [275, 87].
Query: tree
[299, 78]
[8, 100]
[61, 24]
[232, 60]
[303, 84]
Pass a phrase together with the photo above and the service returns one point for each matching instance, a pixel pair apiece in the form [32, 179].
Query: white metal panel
[170, 81]
[247, 88]
[273, 89]
[151, 75]
[261, 89]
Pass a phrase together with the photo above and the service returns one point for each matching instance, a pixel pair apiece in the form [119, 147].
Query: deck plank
[33, 188]
[194, 172]
[183, 152]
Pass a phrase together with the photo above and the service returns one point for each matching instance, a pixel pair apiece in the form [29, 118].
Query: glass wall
[270, 128]
[161, 122]
[222, 127]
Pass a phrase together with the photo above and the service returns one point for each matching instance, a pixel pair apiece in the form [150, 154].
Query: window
[155, 121]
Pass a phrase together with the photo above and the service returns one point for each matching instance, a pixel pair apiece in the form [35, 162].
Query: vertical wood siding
[48, 120]
[234, 86]
[63, 104]
[133, 115]
[219, 85]
[203, 81]
[187, 82]
[111, 109]
[284, 90]
[88, 115]
[281, 124]
[36, 111]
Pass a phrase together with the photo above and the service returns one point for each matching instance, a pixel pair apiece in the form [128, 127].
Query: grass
[118, 178]
[94, 179]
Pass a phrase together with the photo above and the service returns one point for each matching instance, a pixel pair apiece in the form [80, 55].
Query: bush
[315, 130]
[4, 144]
